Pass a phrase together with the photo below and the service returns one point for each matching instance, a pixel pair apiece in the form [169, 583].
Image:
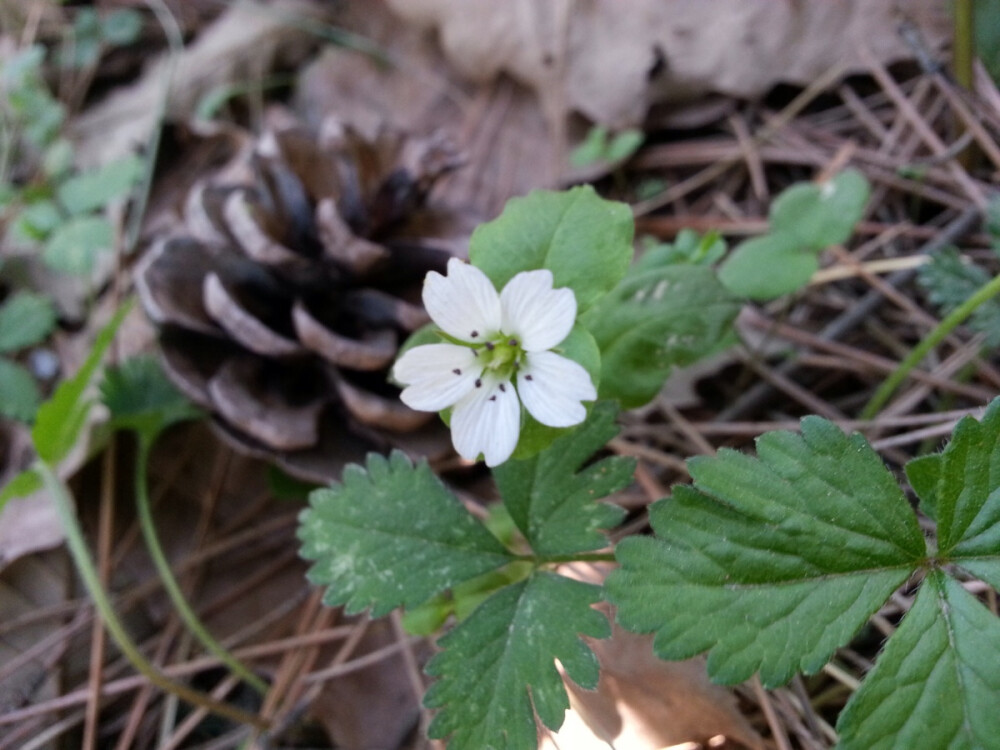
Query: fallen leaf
[611, 63]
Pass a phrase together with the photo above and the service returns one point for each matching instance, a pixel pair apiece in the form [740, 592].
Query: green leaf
[141, 398]
[19, 394]
[96, 188]
[949, 282]
[591, 149]
[554, 502]
[500, 664]
[121, 27]
[654, 321]
[821, 215]
[962, 484]
[768, 266]
[688, 247]
[26, 319]
[74, 247]
[624, 144]
[392, 535]
[936, 682]
[770, 563]
[584, 240]
[61, 418]
[924, 474]
[36, 221]
[23, 484]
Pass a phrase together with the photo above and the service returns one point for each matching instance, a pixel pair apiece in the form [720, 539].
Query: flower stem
[85, 565]
[957, 316]
[173, 589]
[581, 557]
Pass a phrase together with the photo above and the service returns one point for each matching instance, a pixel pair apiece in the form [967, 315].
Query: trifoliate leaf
[141, 398]
[770, 563]
[26, 319]
[60, 419]
[500, 664]
[392, 535]
[821, 215]
[584, 240]
[768, 267]
[19, 394]
[949, 282]
[554, 502]
[965, 496]
[935, 685]
[654, 321]
[95, 188]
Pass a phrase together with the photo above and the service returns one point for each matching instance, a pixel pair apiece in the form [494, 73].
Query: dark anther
[457, 371]
[503, 388]
[493, 398]
[489, 346]
[528, 377]
[474, 334]
[512, 342]
[479, 383]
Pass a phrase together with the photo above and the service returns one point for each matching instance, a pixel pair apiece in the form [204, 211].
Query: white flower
[498, 339]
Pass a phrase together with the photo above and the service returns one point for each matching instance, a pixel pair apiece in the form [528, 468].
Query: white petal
[464, 303]
[552, 388]
[436, 375]
[487, 421]
[535, 313]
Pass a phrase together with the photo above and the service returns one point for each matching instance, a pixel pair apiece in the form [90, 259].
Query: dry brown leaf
[611, 60]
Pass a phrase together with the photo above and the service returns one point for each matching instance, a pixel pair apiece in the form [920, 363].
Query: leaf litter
[821, 352]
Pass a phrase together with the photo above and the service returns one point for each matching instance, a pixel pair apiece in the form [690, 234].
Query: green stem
[547, 559]
[173, 589]
[958, 316]
[965, 43]
[85, 565]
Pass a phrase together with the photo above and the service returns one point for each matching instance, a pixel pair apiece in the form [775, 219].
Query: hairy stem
[85, 565]
[958, 316]
[170, 583]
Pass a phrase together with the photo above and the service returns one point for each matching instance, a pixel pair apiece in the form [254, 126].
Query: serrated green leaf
[966, 494]
[768, 267]
[554, 502]
[936, 683]
[141, 398]
[654, 321]
[770, 563]
[19, 394]
[949, 282]
[26, 319]
[23, 484]
[923, 474]
[584, 240]
[95, 188]
[60, 419]
[500, 663]
[392, 535]
[821, 215]
[74, 246]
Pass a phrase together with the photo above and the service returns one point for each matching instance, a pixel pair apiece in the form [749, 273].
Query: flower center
[502, 355]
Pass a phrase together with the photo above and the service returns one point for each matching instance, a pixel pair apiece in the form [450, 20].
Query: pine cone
[284, 302]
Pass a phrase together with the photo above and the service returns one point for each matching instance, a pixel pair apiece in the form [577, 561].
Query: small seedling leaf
[821, 215]
[26, 319]
[497, 669]
[390, 535]
[74, 246]
[94, 189]
[141, 398]
[19, 394]
[768, 267]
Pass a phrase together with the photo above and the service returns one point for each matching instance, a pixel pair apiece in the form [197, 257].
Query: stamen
[503, 388]
[489, 346]
[457, 371]
[474, 334]
[512, 342]
[479, 383]
[528, 377]
[493, 398]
